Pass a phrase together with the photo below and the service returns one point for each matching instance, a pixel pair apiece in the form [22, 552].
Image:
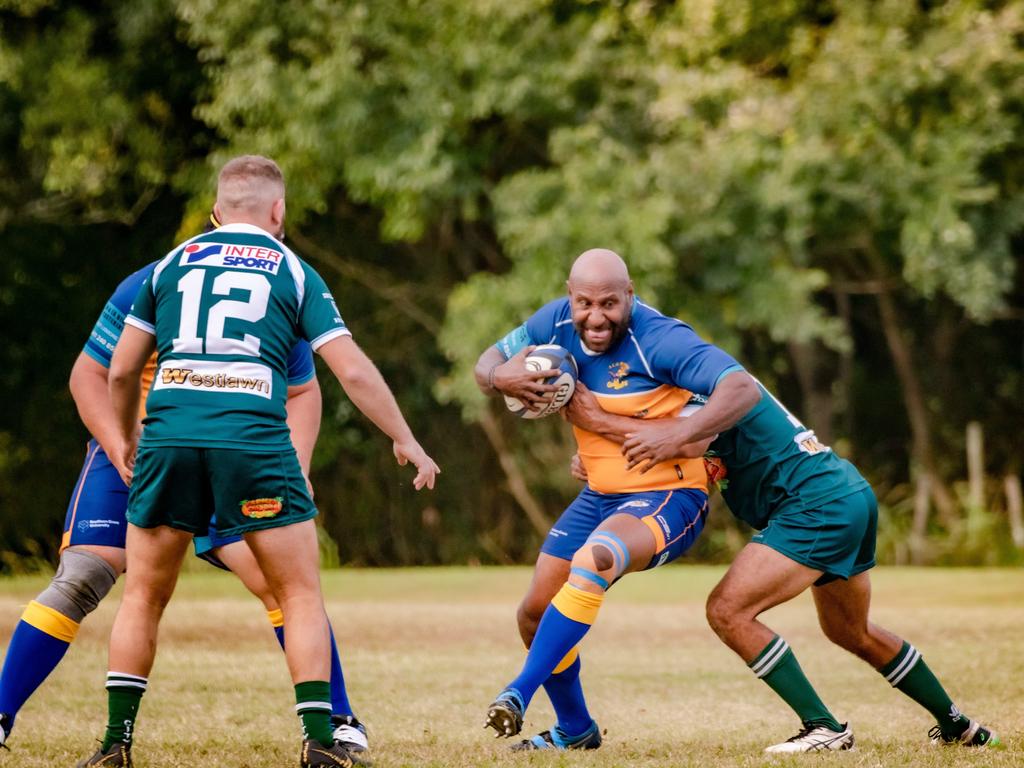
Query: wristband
[490, 376]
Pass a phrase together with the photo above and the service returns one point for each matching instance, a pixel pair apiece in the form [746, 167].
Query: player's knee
[721, 614]
[585, 571]
[849, 637]
[527, 620]
[602, 557]
[82, 580]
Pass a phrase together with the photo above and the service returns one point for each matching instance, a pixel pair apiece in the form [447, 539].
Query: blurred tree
[829, 191]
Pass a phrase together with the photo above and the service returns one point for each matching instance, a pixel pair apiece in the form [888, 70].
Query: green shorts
[247, 490]
[836, 537]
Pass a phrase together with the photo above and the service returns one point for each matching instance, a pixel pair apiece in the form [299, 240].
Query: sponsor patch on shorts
[87, 525]
[260, 508]
[635, 504]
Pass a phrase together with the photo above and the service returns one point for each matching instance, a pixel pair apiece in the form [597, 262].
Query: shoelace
[803, 733]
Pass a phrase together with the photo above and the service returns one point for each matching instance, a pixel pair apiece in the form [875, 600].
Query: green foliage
[768, 170]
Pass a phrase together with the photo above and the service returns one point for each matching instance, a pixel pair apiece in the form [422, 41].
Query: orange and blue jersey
[96, 512]
[650, 374]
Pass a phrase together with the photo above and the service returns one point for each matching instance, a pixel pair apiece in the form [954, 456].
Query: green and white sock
[313, 705]
[778, 667]
[908, 673]
[124, 694]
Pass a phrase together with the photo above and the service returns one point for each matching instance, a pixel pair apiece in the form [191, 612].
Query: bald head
[601, 298]
[599, 267]
[250, 190]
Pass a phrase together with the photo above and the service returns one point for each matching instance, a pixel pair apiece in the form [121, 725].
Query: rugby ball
[564, 372]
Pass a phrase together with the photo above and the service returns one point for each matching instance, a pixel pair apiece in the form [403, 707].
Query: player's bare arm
[304, 407]
[511, 377]
[585, 412]
[369, 392]
[130, 356]
[732, 399]
[90, 391]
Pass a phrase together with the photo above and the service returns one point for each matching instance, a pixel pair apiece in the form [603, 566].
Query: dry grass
[425, 651]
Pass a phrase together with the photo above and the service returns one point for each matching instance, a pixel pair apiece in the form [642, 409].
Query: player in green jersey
[816, 519]
[222, 311]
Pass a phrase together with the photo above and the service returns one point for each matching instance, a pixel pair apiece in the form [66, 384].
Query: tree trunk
[815, 387]
[923, 456]
[516, 482]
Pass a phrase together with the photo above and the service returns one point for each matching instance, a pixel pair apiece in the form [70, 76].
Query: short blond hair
[249, 182]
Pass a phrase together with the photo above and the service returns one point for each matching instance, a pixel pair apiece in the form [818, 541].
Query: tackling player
[639, 362]
[816, 519]
[222, 311]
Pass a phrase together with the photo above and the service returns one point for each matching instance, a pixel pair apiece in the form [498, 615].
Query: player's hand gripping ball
[561, 363]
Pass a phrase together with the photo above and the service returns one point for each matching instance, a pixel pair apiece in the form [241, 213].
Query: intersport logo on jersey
[215, 376]
[254, 257]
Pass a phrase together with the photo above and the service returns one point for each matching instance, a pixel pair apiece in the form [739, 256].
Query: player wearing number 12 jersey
[92, 545]
[222, 311]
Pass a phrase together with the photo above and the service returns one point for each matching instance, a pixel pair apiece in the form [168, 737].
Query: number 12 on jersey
[253, 309]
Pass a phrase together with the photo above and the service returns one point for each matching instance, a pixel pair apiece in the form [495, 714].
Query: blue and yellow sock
[563, 625]
[40, 640]
[339, 695]
[276, 618]
[566, 693]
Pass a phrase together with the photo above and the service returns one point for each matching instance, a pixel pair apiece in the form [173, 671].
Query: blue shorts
[675, 517]
[204, 545]
[96, 512]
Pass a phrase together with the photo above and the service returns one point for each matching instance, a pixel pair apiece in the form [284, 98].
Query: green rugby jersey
[226, 308]
[772, 460]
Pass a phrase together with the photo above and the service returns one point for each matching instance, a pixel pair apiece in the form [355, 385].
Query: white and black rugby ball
[564, 372]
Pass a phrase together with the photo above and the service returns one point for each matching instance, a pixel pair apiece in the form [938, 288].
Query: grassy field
[425, 651]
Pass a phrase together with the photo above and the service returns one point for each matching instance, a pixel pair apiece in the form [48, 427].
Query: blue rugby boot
[557, 739]
[505, 715]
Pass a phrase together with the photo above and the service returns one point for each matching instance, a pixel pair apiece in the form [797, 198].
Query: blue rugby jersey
[649, 374]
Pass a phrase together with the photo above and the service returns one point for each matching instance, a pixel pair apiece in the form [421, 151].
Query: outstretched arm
[369, 392]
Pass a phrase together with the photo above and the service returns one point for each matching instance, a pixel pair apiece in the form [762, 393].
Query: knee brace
[81, 582]
[602, 559]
